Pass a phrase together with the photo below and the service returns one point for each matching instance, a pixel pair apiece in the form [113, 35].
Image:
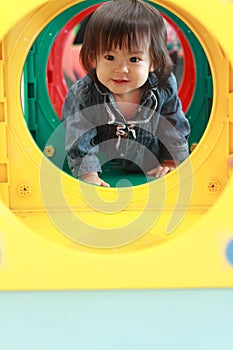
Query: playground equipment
[46, 53]
[59, 233]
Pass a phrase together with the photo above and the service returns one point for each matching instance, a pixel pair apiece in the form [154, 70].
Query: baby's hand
[94, 179]
[163, 169]
[230, 161]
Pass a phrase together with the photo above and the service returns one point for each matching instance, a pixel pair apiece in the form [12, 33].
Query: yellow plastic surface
[58, 233]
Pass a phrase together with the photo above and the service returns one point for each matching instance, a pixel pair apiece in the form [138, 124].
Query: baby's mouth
[120, 81]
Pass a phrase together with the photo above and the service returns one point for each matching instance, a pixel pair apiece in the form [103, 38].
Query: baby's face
[123, 71]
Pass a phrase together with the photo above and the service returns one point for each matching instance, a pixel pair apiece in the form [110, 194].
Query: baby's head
[127, 24]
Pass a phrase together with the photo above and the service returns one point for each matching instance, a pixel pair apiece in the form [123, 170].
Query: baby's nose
[122, 68]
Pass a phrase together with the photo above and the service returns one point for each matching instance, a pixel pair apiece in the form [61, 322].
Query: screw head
[49, 151]
[24, 190]
[213, 186]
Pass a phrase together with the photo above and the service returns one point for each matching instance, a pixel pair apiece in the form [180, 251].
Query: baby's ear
[93, 62]
[152, 68]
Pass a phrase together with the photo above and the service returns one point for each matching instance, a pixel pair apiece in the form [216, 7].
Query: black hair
[127, 23]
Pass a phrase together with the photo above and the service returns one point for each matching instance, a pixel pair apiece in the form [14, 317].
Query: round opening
[52, 65]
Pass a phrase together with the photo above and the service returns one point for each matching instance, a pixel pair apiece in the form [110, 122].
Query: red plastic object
[188, 81]
[57, 87]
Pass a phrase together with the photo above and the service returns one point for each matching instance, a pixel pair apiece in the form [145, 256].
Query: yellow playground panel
[59, 233]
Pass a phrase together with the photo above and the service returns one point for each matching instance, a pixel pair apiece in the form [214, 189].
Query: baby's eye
[109, 57]
[134, 59]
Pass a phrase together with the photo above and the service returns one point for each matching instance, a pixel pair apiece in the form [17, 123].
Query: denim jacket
[97, 131]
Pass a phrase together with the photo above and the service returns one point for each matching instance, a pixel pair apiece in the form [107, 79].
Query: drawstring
[112, 117]
[120, 128]
[121, 132]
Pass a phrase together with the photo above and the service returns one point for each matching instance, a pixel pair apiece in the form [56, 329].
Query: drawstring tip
[118, 143]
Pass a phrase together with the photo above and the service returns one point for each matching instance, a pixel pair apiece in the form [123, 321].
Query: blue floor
[99, 320]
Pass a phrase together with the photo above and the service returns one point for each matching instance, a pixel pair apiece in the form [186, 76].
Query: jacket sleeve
[173, 128]
[80, 133]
